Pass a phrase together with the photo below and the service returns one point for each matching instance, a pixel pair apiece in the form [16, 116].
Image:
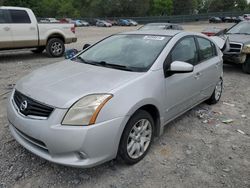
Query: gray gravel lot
[196, 150]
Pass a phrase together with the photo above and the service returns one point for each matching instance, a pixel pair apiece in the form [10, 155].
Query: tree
[125, 8]
[241, 4]
[23, 3]
[162, 7]
[182, 7]
[66, 9]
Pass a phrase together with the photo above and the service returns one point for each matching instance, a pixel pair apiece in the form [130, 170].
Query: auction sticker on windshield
[154, 38]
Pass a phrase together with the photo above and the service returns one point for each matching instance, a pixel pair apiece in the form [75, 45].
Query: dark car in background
[161, 26]
[132, 22]
[240, 19]
[228, 19]
[215, 20]
[66, 20]
[93, 21]
[113, 22]
[246, 16]
[81, 23]
[103, 23]
[123, 22]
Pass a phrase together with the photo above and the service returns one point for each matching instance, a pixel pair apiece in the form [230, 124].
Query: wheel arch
[56, 35]
[155, 114]
[153, 110]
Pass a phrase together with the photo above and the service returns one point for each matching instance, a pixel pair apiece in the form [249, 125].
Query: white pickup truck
[19, 29]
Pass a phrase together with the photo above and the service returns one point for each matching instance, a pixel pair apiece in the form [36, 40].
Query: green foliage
[122, 8]
[241, 4]
[223, 5]
[162, 7]
[183, 7]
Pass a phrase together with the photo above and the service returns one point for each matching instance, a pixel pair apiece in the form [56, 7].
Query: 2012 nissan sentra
[114, 97]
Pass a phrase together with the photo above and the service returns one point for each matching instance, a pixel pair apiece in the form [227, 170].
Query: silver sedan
[114, 97]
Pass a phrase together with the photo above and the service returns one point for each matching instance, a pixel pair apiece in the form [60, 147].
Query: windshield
[241, 28]
[126, 52]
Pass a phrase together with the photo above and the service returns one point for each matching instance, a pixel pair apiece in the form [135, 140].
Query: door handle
[6, 28]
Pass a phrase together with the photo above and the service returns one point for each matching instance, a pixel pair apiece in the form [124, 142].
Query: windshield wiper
[85, 61]
[105, 64]
[115, 66]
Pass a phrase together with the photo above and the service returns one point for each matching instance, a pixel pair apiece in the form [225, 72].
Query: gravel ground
[196, 150]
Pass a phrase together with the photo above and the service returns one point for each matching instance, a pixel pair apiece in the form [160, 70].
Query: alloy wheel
[139, 138]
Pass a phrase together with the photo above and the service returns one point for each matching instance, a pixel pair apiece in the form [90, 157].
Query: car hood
[62, 84]
[239, 38]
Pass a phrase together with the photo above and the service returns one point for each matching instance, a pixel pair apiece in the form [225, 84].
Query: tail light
[73, 29]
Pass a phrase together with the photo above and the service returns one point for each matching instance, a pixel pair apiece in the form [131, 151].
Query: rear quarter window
[19, 17]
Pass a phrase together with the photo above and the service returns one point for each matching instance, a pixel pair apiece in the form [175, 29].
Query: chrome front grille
[235, 48]
[31, 108]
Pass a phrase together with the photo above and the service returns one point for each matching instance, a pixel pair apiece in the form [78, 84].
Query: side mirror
[181, 67]
[225, 31]
[86, 46]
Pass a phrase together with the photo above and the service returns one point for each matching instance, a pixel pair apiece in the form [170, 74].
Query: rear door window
[207, 49]
[3, 17]
[19, 16]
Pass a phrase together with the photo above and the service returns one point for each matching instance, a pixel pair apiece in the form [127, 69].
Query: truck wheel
[38, 50]
[246, 65]
[137, 137]
[55, 47]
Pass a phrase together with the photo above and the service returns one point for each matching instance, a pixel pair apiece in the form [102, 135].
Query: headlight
[86, 110]
[246, 49]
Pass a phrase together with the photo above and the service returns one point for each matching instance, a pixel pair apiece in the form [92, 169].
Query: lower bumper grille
[31, 140]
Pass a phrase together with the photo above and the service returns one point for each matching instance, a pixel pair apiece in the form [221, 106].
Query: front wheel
[246, 65]
[217, 93]
[55, 47]
[137, 137]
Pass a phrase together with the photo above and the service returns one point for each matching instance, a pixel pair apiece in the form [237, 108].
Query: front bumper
[235, 58]
[84, 146]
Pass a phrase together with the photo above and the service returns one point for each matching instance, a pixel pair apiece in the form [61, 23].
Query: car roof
[153, 32]
[156, 24]
[13, 8]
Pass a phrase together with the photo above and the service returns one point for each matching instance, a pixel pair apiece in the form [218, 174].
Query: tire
[55, 47]
[39, 50]
[217, 93]
[246, 65]
[137, 137]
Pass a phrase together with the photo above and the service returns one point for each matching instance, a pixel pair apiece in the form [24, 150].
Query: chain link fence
[177, 18]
